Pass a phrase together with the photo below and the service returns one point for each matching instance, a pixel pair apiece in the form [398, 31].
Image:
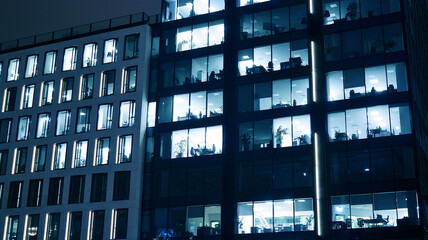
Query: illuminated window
[110, 51]
[90, 55]
[30, 70]
[70, 58]
[12, 73]
[50, 59]
[125, 149]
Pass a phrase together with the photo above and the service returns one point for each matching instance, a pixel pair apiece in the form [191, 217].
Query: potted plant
[246, 140]
[278, 136]
[181, 148]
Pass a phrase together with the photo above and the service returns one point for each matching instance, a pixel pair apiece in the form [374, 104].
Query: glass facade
[255, 107]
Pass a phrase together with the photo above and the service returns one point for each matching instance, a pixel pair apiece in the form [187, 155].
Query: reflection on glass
[90, 55]
[349, 10]
[281, 93]
[216, 33]
[60, 153]
[198, 105]
[215, 103]
[81, 154]
[184, 38]
[110, 51]
[50, 58]
[70, 57]
[63, 122]
[179, 144]
[151, 115]
[12, 72]
[300, 89]
[30, 70]
[200, 36]
[47, 94]
[28, 96]
[335, 85]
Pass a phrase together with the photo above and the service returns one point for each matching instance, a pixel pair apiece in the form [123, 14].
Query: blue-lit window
[199, 36]
[179, 9]
[371, 122]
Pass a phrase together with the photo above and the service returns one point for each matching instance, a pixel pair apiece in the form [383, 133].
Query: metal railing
[133, 19]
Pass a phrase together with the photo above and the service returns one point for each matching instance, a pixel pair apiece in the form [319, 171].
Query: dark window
[40, 158]
[32, 227]
[53, 226]
[67, 89]
[5, 127]
[131, 46]
[35, 193]
[55, 191]
[1, 193]
[108, 83]
[120, 224]
[20, 160]
[87, 86]
[15, 194]
[77, 189]
[121, 185]
[373, 41]
[332, 47]
[351, 44]
[359, 166]
[3, 161]
[10, 99]
[75, 226]
[97, 225]
[99, 187]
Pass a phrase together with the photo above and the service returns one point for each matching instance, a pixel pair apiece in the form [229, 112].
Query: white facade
[103, 52]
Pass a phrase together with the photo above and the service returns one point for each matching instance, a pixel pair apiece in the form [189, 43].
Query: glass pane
[407, 205]
[198, 104]
[184, 38]
[282, 132]
[199, 69]
[393, 37]
[281, 56]
[245, 61]
[212, 218]
[246, 136]
[200, 35]
[331, 11]
[214, 140]
[354, 83]
[197, 142]
[299, 53]
[215, 103]
[397, 77]
[401, 122]
[182, 73]
[280, 20]
[215, 67]
[375, 80]
[262, 134]
[341, 214]
[379, 121]
[373, 41]
[181, 107]
[262, 96]
[179, 144]
[370, 8]
[283, 219]
[356, 123]
[194, 221]
[361, 210]
[262, 59]
[165, 110]
[301, 130]
[300, 89]
[351, 44]
[349, 10]
[298, 18]
[304, 215]
[336, 127]
[263, 217]
[246, 26]
[216, 33]
[335, 85]
[245, 217]
[281, 93]
[332, 47]
[262, 24]
[110, 51]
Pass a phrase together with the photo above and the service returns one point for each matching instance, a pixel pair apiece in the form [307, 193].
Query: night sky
[24, 18]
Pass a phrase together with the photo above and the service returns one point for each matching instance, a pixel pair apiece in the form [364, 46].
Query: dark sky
[24, 18]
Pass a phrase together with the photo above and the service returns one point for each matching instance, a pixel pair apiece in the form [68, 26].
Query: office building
[72, 127]
[283, 120]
